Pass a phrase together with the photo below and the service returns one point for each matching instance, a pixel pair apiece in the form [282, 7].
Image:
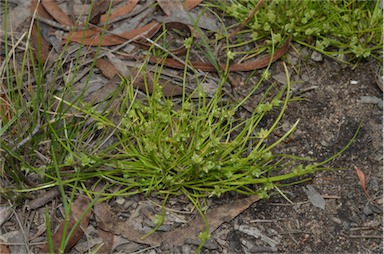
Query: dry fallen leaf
[258, 63]
[94, 38]
[16, 16]
[39, 44]
[361, 176]
[55, 11]
[108, 239]
[97, 9]
[215, 217]
[77, 209]
[5, 103]
[5, 213]
[190, 4]
[126, 8]
[106, 68]
[4, 248]
[170, 6]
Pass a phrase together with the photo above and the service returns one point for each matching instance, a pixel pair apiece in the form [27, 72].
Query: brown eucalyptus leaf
[97, 9]
[39, 44]
[215, 217]
[170, 6]
[77, 209]
[190, 4]
[114, 39]
[258, 63]
[4, 248]
[55, 11]
[126, 8]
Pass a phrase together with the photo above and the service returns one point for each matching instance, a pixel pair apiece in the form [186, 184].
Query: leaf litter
[216, 216]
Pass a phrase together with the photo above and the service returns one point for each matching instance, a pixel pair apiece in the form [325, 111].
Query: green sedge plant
[196, 147]
[346, 30]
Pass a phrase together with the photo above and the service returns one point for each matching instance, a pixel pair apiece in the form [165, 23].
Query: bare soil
[350, 223]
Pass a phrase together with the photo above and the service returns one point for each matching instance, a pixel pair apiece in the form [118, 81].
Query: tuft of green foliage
[345, 27]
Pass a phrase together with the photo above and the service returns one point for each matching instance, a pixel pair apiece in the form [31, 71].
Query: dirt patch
[349, 222]
[330, 115]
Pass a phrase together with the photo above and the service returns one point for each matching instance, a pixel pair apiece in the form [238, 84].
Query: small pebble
[372, 100]
[305, 77]
[372, 209]
[367, 210]
[186, 248]
[346, 225]
[336, 220]
[120, 201]
[292, 59]
[373, 183]
[281, 78]
[316, 56]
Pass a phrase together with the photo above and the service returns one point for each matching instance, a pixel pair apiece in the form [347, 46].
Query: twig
[57, 25]
[171, 54]
[366, 236]
[331, 196]
[43, 199]
[28, 138]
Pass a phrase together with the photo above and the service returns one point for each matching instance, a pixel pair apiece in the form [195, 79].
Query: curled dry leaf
[106, 68]
[77, 36]
[108, 239]
[247, 66]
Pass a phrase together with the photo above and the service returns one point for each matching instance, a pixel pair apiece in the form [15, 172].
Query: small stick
[43, 199]
[366, 236]
[28, 138]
